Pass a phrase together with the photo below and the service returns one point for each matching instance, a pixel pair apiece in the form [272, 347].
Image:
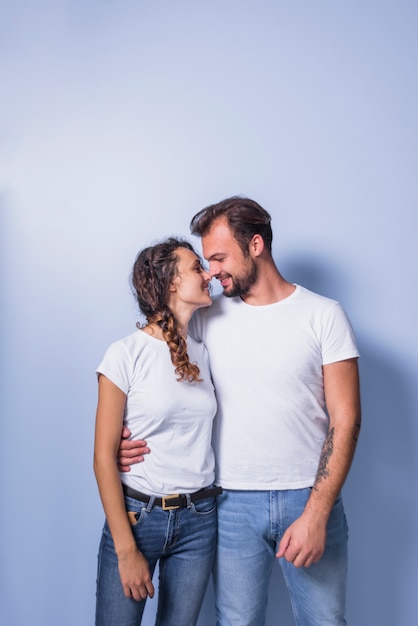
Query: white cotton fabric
[175, 418]
[266, 364]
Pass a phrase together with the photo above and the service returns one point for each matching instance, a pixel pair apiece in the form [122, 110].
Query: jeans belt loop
[150, 504]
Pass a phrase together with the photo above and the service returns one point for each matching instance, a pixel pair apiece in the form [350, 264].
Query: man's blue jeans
[250, 526]
[183, 541]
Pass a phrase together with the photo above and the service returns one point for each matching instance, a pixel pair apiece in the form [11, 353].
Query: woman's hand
[135, 575]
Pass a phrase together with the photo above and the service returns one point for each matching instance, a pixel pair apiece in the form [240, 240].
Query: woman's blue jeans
[250, 526]
[183, 541]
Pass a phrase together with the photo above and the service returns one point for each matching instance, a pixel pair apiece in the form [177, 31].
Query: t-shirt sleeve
[338, 340]
[116, 366]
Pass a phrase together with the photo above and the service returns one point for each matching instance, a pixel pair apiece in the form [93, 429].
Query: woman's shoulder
[129, 345]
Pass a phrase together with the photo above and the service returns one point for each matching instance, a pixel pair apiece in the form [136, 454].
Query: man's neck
[270, 288]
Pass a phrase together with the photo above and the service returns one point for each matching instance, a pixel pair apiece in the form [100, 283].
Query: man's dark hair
[245, 218]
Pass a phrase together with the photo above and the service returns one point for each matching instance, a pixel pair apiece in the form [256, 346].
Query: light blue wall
[119, 120]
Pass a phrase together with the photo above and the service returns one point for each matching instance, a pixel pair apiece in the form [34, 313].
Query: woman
[157, 382]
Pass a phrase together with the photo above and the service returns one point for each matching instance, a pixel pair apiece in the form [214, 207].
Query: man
[284, 366]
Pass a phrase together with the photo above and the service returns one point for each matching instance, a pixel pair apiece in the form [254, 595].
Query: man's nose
[213, 269]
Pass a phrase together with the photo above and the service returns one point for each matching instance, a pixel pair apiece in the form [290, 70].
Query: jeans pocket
[135, 511]
[204, 507]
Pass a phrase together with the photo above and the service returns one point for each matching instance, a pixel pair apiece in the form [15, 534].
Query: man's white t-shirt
[266, 364]
[175, 418]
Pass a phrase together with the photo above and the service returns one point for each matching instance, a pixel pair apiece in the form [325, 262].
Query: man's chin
[231, 292]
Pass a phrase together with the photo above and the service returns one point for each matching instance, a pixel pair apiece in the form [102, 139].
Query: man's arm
[303, 543]
[130, 451]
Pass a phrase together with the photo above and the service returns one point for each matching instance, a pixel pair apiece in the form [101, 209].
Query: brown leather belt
[175, 501]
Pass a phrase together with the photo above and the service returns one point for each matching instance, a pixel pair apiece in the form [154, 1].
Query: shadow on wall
[377, 495]
[382, 513]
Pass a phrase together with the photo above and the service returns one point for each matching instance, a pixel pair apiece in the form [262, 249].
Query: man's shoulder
[315, 299]
[326, 314]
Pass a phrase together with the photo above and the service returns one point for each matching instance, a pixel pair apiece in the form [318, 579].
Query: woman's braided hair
[154, 269]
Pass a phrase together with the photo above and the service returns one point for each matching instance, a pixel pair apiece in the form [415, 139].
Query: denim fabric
[250, 526]
[183, 541]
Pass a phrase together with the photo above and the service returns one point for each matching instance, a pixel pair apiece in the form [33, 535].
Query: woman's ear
[173, 285]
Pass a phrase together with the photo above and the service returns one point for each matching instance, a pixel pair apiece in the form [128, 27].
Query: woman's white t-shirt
[175, 418]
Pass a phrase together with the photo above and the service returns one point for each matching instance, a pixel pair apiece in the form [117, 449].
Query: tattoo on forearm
[356, 431]
[326, 453]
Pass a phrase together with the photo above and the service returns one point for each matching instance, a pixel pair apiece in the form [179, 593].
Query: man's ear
[256, 245]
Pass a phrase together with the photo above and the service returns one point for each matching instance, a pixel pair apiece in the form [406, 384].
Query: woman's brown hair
[154, 269]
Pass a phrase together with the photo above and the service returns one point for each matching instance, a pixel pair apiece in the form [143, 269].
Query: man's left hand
[303, 543]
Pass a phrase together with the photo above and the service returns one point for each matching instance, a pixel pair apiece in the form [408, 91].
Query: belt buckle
[167, 507]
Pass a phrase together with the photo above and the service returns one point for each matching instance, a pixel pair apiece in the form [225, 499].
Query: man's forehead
[218, 240]
[219, 231]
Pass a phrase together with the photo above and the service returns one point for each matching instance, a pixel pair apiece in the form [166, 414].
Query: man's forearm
[342, 396]
[333, 467]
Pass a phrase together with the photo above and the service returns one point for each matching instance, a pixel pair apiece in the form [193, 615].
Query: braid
[154, 269]
[184, 369]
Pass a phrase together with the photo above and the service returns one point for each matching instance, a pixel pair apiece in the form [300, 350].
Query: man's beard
[242, 284]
